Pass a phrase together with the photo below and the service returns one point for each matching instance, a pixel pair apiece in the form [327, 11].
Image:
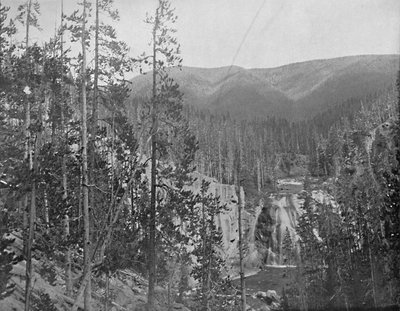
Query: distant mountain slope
[234, 90]
[316, 85]
[295, 91]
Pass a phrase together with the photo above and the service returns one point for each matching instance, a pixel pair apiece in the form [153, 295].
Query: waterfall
[278, 217]
[265, 225]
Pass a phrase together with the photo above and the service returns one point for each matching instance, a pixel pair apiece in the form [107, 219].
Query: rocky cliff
[264, 225]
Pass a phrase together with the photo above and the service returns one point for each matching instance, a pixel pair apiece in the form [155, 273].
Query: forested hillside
[272, 143]
[162, 192]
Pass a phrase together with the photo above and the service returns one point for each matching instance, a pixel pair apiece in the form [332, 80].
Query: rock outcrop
[264, 225]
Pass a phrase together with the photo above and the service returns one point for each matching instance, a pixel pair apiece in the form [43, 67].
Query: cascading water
[265, 226]
[277, 219]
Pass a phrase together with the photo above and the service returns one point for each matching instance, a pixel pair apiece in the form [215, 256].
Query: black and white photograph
[199, 155]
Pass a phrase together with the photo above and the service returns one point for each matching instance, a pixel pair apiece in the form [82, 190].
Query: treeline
[75, 173]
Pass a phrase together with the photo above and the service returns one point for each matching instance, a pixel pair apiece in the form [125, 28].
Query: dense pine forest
[128, 194]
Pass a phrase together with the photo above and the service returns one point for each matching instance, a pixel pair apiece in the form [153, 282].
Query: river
[270, 278]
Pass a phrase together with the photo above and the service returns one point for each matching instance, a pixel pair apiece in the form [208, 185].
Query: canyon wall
[264, 225]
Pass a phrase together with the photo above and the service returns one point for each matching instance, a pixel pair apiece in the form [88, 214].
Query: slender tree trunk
[28, 158]
[95, 107]
[204, 268]
[28, 151]
[29, 270]
[209, 266]
[95, 111]
[241, 273]
[258, 175]
[219, 158]
[28, 220]
[86, 212]
[112, 153]
[45, 195]
[28, 14]
[1, 47]
[46, 211]
[152, 220]
[32, 214]
[68, 272]
[80, 198]
[107, 291]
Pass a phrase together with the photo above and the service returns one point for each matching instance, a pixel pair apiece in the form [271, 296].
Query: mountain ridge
[293, 91]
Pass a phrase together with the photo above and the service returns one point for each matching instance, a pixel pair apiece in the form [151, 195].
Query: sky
[255, 33]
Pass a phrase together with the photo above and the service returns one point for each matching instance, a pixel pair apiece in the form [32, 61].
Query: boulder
[270, 297]
[271, 294]
[261, 295]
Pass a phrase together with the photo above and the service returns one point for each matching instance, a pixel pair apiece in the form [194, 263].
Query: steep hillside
[294, 91]
[223, 89]
[247, 95]
[123, 290]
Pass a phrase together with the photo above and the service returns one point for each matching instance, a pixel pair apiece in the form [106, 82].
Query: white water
[283, 208]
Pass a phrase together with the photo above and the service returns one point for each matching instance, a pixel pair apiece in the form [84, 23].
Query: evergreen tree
[6, 262]
[207, 240]
[165, 95]
[288, 248]
[391, 212]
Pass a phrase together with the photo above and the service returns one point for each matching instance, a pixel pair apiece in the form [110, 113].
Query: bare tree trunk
[29, 270]
[28, 151]
[68, 272]
[95, 111]
[258, 175]
[82, 289]
[45, 196]
[219, 158]
[28, 225]
[32, 214]
[28, 158]
[95, 107]
[86, 212]
[46, 211]
[209, 266]
[152, 220]
[204, 272]
[107, 291]
[241, 273]
[112, 153]
[80, 199]
[28, 107]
